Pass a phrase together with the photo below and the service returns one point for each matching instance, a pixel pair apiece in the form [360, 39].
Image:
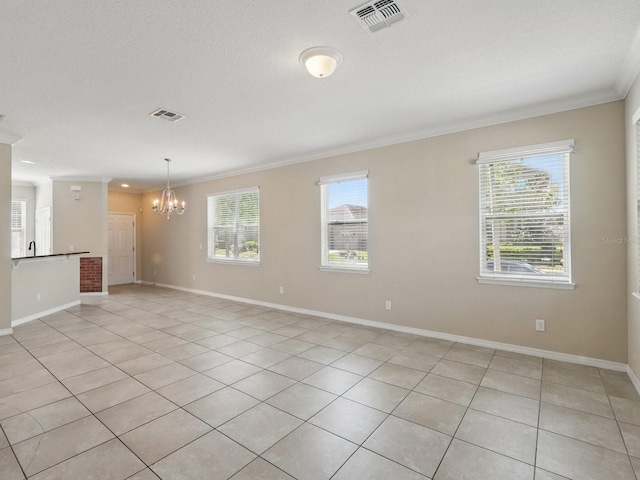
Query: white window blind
[233, 220]
[18, 228]
[524, 214]
[344, 222]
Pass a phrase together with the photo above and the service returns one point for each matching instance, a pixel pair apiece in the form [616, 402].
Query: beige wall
[5, 236]
[120, 202]
[632, 106]
[426, 191]
[81, 223]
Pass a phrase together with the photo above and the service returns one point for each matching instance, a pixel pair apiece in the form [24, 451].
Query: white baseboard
[94, 294]
[536, 352]
[6, 331]
[44, 313]
[634, 379]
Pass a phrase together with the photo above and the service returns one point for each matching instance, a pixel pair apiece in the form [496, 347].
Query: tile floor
[154, 383]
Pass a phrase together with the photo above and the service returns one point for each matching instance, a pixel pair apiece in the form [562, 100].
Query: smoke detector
[374, 16]
[166, 115]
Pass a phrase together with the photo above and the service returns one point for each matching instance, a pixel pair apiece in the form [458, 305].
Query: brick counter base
[90, 274]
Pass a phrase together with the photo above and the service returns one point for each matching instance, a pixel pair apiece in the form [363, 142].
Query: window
[524, 215]
[344, 224]
[234, 226]
[636, 122]
[18, 227]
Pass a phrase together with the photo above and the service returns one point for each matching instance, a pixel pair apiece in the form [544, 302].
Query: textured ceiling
[79, 78]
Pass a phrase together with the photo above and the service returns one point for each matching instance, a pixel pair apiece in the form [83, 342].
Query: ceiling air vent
[166, 115]
[374, 16]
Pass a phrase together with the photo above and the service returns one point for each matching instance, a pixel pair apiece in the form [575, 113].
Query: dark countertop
[17, 260]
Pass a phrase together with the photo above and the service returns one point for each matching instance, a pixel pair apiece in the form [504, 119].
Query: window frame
[635, 121]
[325, 263]
[23, 230]
[563, 281]
[236, 259]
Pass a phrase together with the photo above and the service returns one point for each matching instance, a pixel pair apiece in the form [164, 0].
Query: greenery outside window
[524, 215]
[233, 226]
[344, 222]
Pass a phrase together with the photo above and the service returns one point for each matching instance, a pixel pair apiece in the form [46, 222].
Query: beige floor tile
[261, 470]
[263, 385]
[265, 358]
[459, 371]
[346, 344]
[571, 366]
[309, 453]
[125, 354]
[232, 371]
[499, 435]
[510, 383]
[216, 341]
[631, 434]
[212, 456]
[544, 475]
[525, 368]
[460, 353]
[333, 380]
[135, 412]
[429, 347]
[20, 368]
[413, 446]
[292, 346]
[165, 375]
[583, 400]
[13, 386]
[397, 375]
[37, 397]
[75, 362]
[513, 407]
[357, 364]
[622, 388]
[447, 389]
[302, 401]
[414, 360]
[9, 466]
[586, 427]
[573, 378]
[348, 419]
[150, 442]
[109, 461]
[143, 364]
[260, 427]
[112, 394]
[206, 361]
[322, 354]
[48, 449]
[366, 464]
[296, 367]
[145, 474]
[90, 380]
[190, 389]
[466, 461]
[43, 419]
[625, 410]
[431, 412]
[239, 348]
[372, 393]
[379, 352]
[221, 406]
[579, 460]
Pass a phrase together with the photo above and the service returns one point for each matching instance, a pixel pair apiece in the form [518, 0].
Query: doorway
[43, 231]
[122, 256]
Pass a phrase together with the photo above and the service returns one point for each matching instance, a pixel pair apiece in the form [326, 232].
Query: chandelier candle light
[168, 203]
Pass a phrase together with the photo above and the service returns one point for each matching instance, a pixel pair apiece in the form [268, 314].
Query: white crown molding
[538, 110]
[9, 139]
[80, 179]
[630, 68]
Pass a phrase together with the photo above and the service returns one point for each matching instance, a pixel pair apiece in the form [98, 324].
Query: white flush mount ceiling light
[321, 62]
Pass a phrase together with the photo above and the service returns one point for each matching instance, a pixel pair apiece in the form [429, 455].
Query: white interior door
[121, 248]
[43, 231]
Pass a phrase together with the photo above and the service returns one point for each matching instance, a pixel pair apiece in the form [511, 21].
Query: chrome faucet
[33, 242]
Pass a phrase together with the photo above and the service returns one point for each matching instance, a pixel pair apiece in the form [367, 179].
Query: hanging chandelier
[168, 203]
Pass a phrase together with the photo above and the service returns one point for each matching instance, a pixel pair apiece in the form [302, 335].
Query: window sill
[248, 263]
[338, 269]
[518, 282]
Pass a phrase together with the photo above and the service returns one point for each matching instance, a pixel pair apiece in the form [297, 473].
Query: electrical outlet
[38, 297]
[281, 290]
[540, 325]
[387, 305]
[194, 276]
